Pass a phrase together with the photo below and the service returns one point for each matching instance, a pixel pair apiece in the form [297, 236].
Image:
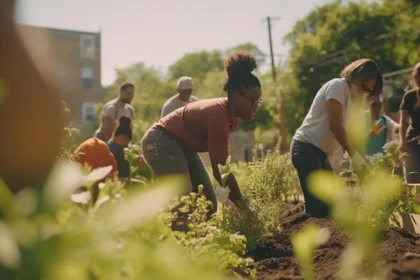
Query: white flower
[222, 194]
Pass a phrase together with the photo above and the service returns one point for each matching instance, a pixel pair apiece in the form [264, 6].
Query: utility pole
[283, 129]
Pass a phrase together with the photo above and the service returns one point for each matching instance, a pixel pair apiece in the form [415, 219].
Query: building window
[87, 46]
[88, 112]
[87, 77]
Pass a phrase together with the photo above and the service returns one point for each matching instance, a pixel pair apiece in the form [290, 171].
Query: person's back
[174, 103]
[96, 154]
[315, 128]
[118, 151]
[194, 123]
[184, 96]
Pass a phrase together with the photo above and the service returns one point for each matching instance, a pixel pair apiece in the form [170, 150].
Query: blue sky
[159, 32]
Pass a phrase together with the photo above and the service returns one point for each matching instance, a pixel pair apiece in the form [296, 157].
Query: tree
[251, 48]
[197, 64]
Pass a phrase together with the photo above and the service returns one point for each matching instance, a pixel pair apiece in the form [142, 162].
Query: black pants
[413, 163]
[307, 158]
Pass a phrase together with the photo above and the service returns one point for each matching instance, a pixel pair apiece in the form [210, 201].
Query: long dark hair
[124, 127]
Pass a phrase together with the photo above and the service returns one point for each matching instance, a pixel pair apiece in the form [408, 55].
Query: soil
[276, 260]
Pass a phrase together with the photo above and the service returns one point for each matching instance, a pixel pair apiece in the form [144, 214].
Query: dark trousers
[413, 163]
[307, 158]
[167, 157]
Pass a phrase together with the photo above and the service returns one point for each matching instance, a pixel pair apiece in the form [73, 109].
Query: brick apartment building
[76, 62]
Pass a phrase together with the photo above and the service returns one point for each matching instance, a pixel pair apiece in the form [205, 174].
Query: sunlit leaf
[304, 243]
[27, 201]
[325, 185]
[7, 201]
[9, 252]
[143, 206]
[65, 178]
[97, 174]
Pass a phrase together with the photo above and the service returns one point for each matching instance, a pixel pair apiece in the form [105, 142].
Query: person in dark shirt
[410, 128]
[171, 145]
[120, 140]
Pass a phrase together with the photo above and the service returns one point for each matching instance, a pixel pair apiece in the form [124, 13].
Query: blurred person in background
[95, 153]
[184, 96]
[171, 145]
[410, 128]
[323, 129]
[119, 141]
[381, 128]
[30, 107]
[115, 109]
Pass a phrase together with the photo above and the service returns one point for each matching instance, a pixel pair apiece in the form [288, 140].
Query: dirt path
[278, 262]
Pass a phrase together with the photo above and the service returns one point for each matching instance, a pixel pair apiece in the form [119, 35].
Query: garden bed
[277, 261]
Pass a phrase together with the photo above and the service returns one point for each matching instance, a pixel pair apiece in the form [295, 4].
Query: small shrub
[266, 183]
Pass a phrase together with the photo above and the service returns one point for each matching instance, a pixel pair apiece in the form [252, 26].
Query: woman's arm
[219, 156]
[335, 117]
[218, 138]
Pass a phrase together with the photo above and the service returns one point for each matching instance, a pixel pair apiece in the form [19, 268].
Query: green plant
[71, 134]
[46, 236]
[266, 183]
[138, 167]
[188, 217]
[304, 244]
[360, 214]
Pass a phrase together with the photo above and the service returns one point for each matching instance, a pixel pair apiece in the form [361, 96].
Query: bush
[265, 183]
[120, 236]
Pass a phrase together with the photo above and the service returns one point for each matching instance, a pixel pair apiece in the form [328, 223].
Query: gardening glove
[231, 206]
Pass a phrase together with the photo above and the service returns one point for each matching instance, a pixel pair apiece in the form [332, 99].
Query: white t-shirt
[315, 128]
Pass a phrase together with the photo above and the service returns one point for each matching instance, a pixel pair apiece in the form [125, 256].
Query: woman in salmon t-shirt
[171, 145]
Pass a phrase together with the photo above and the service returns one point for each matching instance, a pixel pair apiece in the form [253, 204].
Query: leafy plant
[71, 134]
[360, 215]
[304, 244]
[45, 236]
[139, 169]
[188, 217]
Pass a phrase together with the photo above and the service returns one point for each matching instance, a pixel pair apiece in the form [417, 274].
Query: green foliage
[139, 168]
[70, 138]
[197, 65]
[360, 212]
[188, 216]
[304, 244]
[251, 48]
[265, 184]
[122, 236]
